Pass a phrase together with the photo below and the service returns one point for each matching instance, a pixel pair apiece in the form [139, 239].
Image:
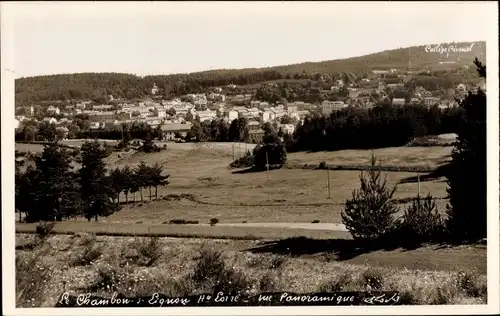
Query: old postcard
[232, 158]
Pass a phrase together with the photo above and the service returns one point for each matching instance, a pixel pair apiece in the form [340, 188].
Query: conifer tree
[467, 173]
[369, 213]
[96, 190]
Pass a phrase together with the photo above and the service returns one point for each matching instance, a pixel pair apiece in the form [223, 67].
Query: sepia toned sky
[162, 38]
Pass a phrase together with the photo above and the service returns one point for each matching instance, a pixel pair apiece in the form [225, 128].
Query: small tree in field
[369, 214]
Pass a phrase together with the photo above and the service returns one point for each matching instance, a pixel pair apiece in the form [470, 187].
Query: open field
[200, 172]
[103, 265]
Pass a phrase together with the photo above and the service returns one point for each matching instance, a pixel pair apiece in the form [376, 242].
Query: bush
[421, 221]
[373, 279]
[43, 229]
[89, 255]
[315, 221]
[214, 221]
[107, 279]
[150, 251]
[322, 165]
[471, 284]
[369, 214]
[212, 274]
[183, 221]
[31, 279]
[340, 283]
[243, 162]
[268, 282]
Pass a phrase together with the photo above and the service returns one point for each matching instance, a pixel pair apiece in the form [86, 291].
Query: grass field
[286, 195]
[138, 266]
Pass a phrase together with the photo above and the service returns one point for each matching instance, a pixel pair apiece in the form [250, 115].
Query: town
[266, 104]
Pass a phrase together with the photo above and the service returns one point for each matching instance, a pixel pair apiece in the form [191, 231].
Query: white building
[231, 115]
[398, 101]
[154, 90]
[53, 110]
[287, 128]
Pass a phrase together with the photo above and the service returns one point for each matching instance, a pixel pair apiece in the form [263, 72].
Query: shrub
[277, 261]
[369, 214]
[107, 279]
[421, 221]
[268, 282]
[373, 279]
[340, 282]
[211, 273]
[183, 221]
[243, 162]
[471, 284]
[315, 221]
[31, 279]
[150, 251]
[43, 229]
[322, 165]
[213, 221]
[89, 255]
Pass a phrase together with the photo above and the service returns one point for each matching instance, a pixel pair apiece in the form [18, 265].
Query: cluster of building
[173, 116]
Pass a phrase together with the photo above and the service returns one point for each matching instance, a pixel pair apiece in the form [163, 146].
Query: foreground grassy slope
[76, 263]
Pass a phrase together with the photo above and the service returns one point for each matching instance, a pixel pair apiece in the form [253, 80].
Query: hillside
[97, 85]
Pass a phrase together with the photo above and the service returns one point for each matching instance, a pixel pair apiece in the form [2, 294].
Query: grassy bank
[141, 266]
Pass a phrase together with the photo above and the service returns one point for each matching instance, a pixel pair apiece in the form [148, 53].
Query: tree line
[381, 126]
[52, 188]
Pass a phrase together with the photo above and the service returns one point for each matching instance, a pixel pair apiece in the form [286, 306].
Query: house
[395, 86]
[103, 107]
[257, 134]
[174, 130]
[70, 107]
[154, 90]
[49, 120]
[287, 128]
[380, 72]
[291, 108]
[153, 121]
[102, 116]
[431, 101]
[334, 89]
[462, 88]
[51, 110]
[16, 123]
[253, 125]
[207, 115]
[159, 112]
[265, 116]
[398, 101]
[231, 115]
[330, 106]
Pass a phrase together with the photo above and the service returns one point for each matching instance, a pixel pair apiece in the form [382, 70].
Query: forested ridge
[129, 86]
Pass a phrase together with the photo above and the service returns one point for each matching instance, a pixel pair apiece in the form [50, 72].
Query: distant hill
[100, 85]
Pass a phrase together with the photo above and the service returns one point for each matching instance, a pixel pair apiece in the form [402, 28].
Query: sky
[163, 38]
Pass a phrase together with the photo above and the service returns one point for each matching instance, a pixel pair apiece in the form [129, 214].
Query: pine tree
[96, 191]
[369, 214]
[467, 173]
[127, 179]
[50, 187]
[158, 178]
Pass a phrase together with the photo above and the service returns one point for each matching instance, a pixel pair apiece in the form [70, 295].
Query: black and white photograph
[216, 158]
